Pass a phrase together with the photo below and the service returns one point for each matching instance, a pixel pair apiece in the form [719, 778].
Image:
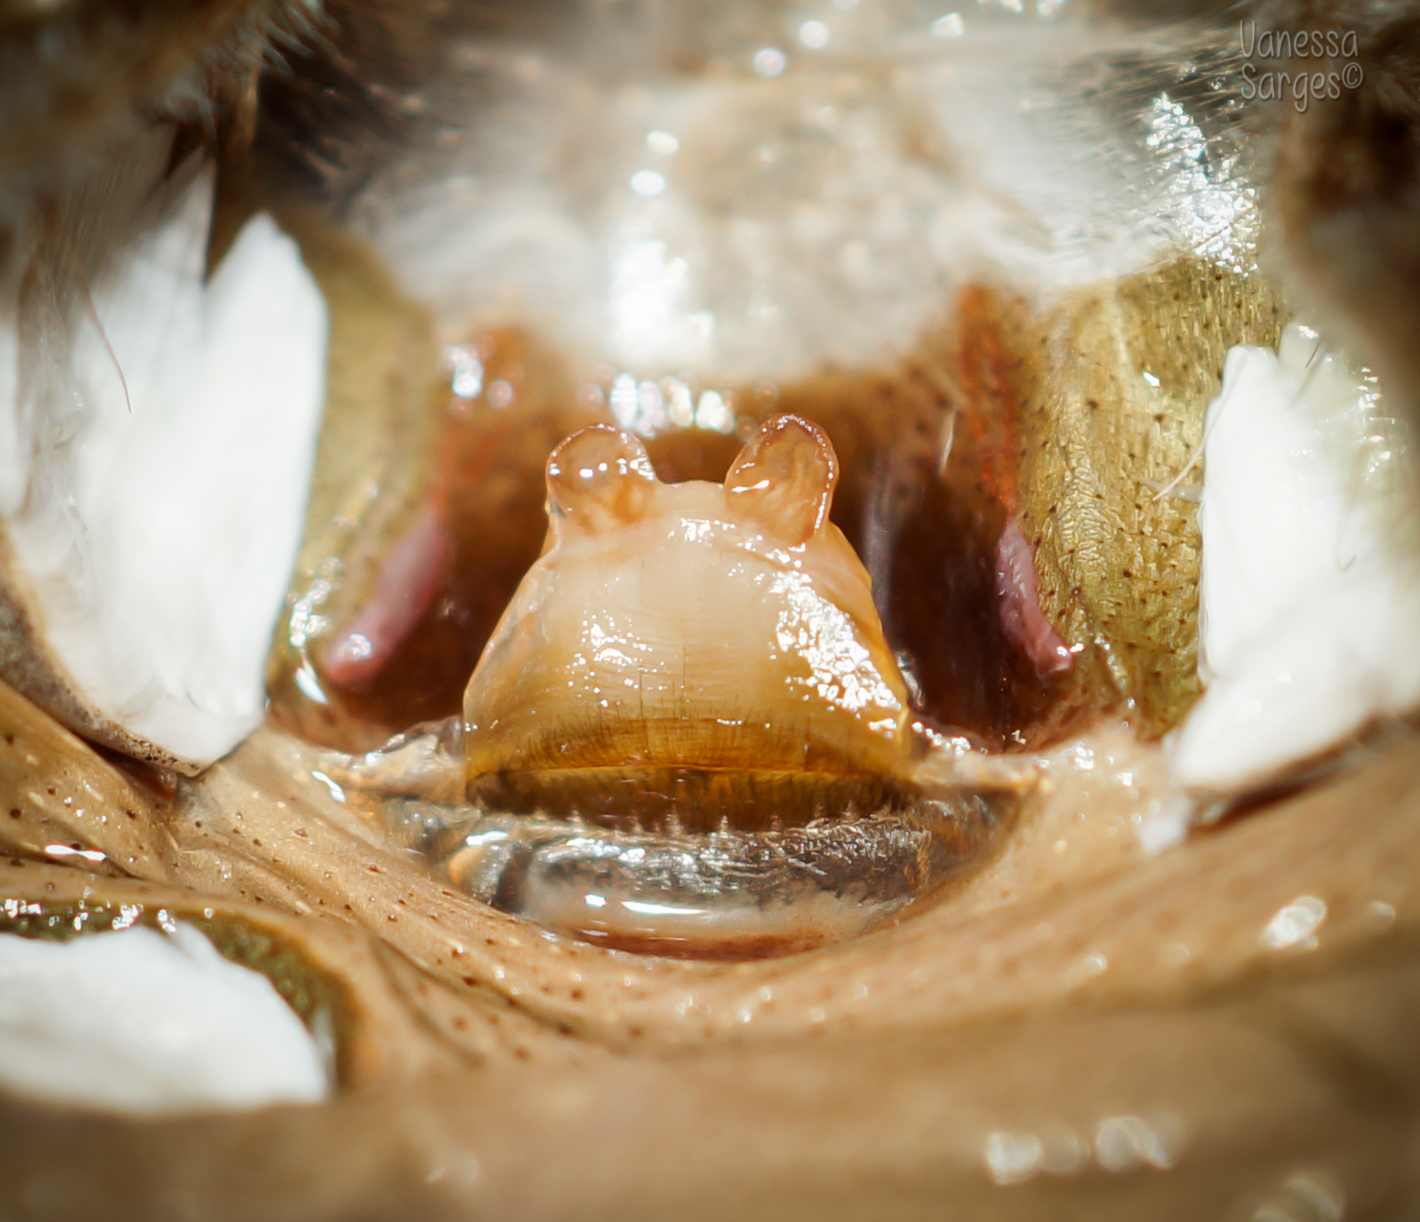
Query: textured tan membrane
[1117, 1037]
[489, 1070]
[1070, 994]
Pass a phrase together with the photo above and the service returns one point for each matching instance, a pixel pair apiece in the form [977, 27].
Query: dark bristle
[374, 83]
[682, 801]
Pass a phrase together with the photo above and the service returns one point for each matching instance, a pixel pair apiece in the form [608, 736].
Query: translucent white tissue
[1310, 585]
[157, 435]
[140, 1021]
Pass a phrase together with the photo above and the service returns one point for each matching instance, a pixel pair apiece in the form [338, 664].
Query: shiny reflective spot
[1012, 1158]
[1216, 211]
[500, 395]
[769, 61]
[714, 413]
[66, 850]
[1176, 954]
[1380, 912]
[1093, 965]
[1064, 1152]
[465, 370]
[336, 791]
[1307, 1196]
[1165, 823]
[1125, 1143]
[1296, 924]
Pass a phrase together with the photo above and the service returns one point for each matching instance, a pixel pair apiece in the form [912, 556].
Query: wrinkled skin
[1049, 995]
[489, 1071]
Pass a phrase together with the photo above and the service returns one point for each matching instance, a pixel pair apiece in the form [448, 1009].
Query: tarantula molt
[672, 608]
